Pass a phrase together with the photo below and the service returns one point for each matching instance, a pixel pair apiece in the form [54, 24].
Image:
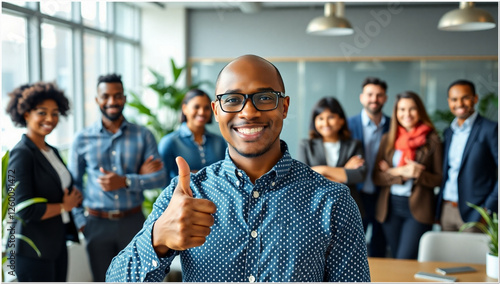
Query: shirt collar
[100, 126]
[366, 121]
[467, 125]
[279, 171]
[184, 130]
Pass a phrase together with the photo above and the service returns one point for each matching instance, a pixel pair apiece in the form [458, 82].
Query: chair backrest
[460, 247]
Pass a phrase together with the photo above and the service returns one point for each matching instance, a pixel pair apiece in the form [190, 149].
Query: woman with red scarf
[408, 169]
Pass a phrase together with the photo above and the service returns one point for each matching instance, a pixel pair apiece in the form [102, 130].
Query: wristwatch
[128, 182]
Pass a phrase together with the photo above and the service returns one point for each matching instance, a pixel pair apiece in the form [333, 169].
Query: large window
[70, 43]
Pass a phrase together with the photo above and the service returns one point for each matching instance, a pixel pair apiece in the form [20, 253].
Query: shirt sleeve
[149, 181]
[76, 166]
[357, 175]
[347, 258]
[138, 262]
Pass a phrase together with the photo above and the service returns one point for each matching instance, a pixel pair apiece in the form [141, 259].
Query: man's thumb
[103, 170]
[184, 175]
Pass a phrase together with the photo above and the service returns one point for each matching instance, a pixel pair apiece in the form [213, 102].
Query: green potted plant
[165, 116]
[491, 230]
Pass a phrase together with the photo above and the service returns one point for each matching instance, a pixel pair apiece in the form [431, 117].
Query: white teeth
[250, 130]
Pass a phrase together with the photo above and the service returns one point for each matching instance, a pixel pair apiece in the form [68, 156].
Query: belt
[453, 203]
[114, 214]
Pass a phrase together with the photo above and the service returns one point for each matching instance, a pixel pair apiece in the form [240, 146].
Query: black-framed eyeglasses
[262, 101]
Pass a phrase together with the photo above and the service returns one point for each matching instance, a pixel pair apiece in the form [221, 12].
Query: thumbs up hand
[186, 222]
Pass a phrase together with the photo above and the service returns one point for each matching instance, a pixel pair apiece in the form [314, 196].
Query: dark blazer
[312, 153]
[37, 178]
[478, 176]
[422, 200]
[356, 127]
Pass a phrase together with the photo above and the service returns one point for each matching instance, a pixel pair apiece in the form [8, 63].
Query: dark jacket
[356, 127]
[422, 201]
[37, 178]
[312, 153]
[478, 176]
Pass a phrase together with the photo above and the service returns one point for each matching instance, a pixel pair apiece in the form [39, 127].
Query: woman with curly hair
[40, 171]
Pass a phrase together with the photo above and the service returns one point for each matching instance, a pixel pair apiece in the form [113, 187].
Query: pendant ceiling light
[333, 23]
[466, 18]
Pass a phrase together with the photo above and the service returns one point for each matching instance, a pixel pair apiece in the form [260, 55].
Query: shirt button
[272, 184]
[240, 174]
[251, 278]
[155, 264]
[237, 183]
[113, 153]
[256, 194]
[253, 234]
[116, 196]
[114, 169]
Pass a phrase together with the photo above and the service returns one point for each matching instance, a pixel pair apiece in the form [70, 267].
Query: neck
[112, 126]
[257, 166]
[197, 133]
[37, 139]
[375, 117]
[332, 138]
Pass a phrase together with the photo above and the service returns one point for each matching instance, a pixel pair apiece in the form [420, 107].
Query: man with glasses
[119, 160]
[258, 215]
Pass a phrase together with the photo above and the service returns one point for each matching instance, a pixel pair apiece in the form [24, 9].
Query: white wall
[164, 36]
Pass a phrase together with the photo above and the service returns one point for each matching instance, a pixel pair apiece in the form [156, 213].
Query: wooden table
[402, 270]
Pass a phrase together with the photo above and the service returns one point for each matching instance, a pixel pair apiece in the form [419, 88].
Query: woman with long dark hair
[330, 150]
[408, 168]
[192, 141]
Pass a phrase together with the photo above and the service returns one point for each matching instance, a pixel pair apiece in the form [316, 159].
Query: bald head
[245, 67]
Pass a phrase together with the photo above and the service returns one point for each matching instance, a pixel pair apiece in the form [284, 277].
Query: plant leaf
[30, 242]
[29, 202]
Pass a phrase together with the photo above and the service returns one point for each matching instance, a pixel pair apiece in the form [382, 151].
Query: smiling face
[373, 98]
[328, 125]
[407, 113]
[461, 101]
[111, 100]
[41, 120]
[197, 112]
[251, 133]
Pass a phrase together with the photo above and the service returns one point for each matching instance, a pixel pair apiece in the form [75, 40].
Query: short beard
[114, 117]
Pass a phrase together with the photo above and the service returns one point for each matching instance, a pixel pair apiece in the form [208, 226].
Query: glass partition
[307, 81]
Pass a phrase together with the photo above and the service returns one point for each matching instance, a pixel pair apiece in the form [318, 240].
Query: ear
[215, 109]
[25, 115]
[286, 104]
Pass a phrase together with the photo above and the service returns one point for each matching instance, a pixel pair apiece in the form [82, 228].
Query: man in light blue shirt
[368, 127]
[257, 215]
[470, 164]
[119, 160]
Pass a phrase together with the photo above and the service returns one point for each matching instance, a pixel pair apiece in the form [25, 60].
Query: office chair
[459, 247]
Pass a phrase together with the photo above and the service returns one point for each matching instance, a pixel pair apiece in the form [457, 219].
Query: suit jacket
[422, 201]
[478, 175]
[356, 127]
[312, 153]
[37, 178]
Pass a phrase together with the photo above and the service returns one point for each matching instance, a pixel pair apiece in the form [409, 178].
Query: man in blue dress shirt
[120, 159]
[257, 215]
[470, 164]
[368, 127]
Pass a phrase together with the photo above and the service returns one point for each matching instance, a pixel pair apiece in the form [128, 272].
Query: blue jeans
[401, 230]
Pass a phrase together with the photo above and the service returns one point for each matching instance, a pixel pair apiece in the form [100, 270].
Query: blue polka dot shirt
[291, 225]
